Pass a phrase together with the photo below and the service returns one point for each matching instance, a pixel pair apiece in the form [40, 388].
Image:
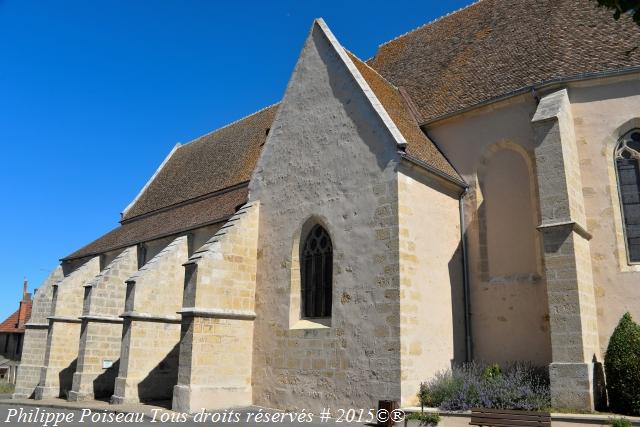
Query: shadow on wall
[159, 383]
[599, 386]
[457, 300]
[66, 378]
[354, 102]
[104, 384]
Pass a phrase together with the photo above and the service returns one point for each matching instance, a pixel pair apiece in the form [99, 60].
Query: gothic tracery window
[316, 273]
[627, 157]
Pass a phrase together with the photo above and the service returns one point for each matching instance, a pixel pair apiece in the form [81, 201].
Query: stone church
[469, 193]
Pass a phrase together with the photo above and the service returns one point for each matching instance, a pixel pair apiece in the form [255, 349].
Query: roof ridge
[196, 139]
[433, 21]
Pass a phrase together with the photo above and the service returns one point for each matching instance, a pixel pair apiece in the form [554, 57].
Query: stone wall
[603, 111]
[217, 319]
[431, 287]
[330, 160]
[151, 334]
[574, 333]
[101, 330]
[64, 331]
[35, 338]
[510, 315]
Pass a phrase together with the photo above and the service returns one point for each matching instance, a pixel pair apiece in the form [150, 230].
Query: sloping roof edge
[362, 83]
[148, 183]
[398, 105]
[236, 121]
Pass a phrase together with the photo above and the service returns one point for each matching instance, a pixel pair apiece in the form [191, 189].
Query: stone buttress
[101, 329]
[151, 331]
[217, 318]
[574, 371]
[64, 330]
[35, 338]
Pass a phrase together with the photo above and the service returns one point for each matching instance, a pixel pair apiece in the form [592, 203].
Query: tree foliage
[622, 366]
[620, 7]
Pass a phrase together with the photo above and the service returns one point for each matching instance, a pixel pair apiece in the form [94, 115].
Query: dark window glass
[316, 269]
[628, 167]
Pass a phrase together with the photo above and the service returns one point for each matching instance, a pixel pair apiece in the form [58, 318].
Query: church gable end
[330, 160]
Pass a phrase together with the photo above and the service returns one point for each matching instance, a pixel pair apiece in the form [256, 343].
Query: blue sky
[93, 95]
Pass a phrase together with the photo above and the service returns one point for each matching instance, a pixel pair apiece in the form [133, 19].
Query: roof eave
[427, 167]
[545, 84]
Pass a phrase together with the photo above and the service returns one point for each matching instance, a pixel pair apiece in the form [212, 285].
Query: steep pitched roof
[218, 160]
[398, 108]
[15, 322]
[10, 324]
[495, 47]
[166, 222]
[200, 183]
[392, 108]
[487, 50]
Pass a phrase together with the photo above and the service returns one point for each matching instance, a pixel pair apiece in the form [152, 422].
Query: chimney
[25, 293]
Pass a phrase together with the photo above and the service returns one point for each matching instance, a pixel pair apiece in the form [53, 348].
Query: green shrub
[425, 418]
[6, 388]
[619, 422]
[622, 367]
[444, 386]
[492, 371]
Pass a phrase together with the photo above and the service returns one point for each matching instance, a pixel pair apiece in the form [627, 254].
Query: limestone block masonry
[431, 286]
[151, 330]
[101, 329]
[64, 331]
[567, 259]
[217, 318]
[341, 162]
[35, 338]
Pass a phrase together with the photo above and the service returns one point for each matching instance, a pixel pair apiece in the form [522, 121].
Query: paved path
[101, 414]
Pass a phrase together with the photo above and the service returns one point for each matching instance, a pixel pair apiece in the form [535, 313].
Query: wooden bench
[509, 418]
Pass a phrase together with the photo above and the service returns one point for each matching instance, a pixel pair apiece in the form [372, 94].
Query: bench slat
[509, 418]
[508, 411]
[518, 417]
[509, 423]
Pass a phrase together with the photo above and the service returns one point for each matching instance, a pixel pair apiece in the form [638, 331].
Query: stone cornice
[134, 315]
[218, 313]
[65, 319]
[102, 319]
[36, 325]
[579, 229]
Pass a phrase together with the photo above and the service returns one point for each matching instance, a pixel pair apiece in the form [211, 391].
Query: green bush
[619, 422]
[6, 387]
[443, 387]
[491, 372]
[425, 418]
[622, 367]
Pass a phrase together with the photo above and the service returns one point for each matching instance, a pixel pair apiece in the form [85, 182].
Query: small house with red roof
[11, 336]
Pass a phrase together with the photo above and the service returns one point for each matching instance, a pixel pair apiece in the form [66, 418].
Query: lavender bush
[518, 386]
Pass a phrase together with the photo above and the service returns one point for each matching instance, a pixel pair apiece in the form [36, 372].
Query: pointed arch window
[316, 269]
[627, 157]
